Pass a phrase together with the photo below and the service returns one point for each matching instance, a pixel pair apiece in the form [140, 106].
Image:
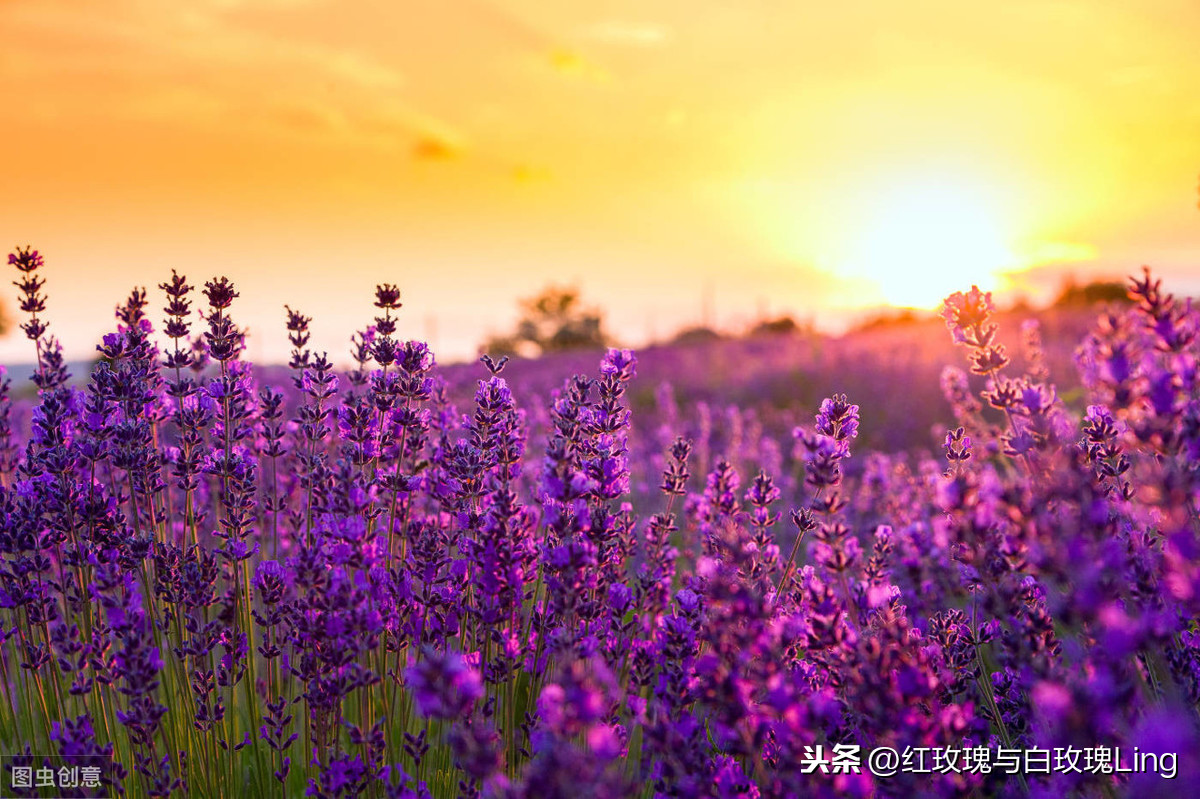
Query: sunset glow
[921, 242]
[652, 153]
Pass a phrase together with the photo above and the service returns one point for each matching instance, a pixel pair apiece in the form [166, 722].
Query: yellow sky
[798, 156]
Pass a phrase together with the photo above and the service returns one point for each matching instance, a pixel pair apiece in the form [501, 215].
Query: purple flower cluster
[236, 581]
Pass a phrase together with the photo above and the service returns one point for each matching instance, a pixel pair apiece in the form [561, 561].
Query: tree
[553, 321]
[1092, 293]
[782, 326]
[696, 334]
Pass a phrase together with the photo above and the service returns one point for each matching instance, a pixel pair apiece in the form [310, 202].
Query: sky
[677, 162]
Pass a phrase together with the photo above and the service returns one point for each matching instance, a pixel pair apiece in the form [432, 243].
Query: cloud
[127, 38]
[432, 147]
[213, 70]
[571, 62]
[236, 5]
[633, 34]
[307, 118]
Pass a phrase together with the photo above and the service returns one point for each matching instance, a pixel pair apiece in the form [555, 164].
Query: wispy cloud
[635, 34]
[571, 62]
[213, 70]
[431, 147]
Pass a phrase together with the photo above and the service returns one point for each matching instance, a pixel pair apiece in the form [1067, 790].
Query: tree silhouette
[553, 321]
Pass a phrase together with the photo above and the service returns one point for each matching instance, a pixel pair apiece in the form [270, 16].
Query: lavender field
[706, 571]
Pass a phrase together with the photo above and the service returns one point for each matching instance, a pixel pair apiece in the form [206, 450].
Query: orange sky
[797, 157]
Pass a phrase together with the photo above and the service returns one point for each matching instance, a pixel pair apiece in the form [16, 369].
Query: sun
[921, 241]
